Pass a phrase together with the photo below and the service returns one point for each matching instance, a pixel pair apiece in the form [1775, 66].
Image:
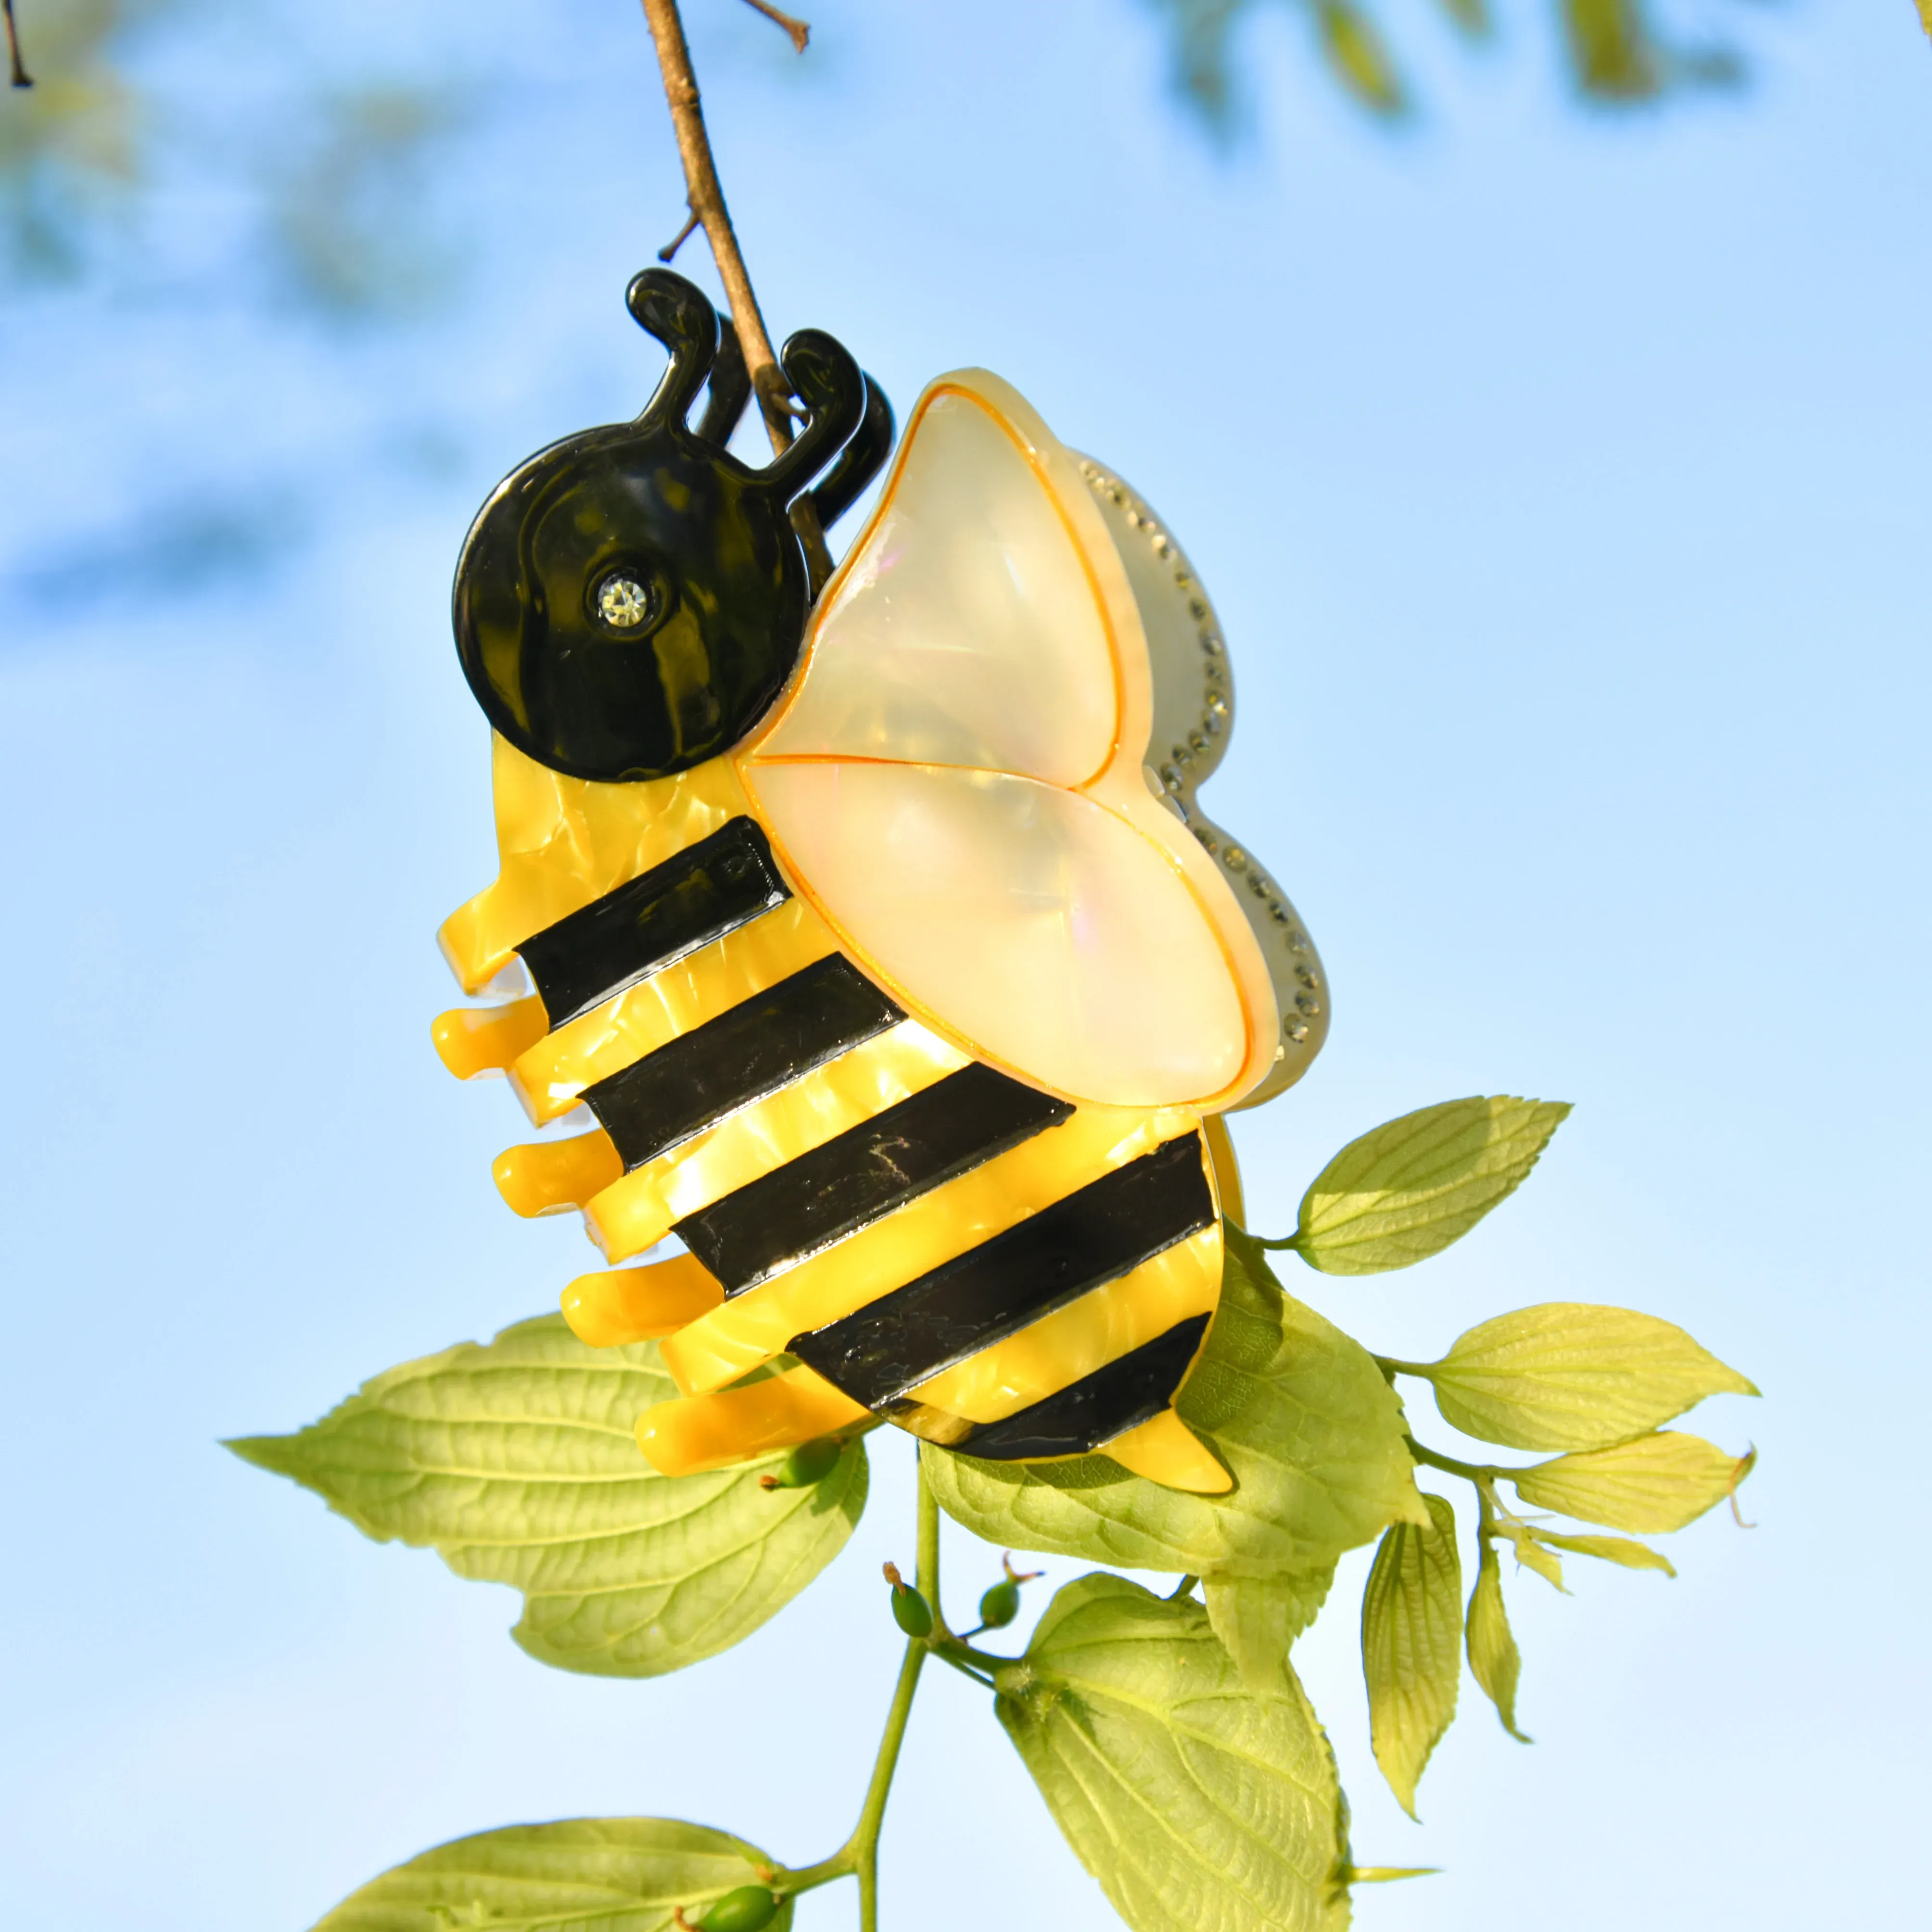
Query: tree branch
[800, 31]
[707, 196]
[20, 76]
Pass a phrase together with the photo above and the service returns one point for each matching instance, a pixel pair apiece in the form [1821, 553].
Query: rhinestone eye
[622, 602]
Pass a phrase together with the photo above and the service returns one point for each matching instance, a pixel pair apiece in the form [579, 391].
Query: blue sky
[1561, 482]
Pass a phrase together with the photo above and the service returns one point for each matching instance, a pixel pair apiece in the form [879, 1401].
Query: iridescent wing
[958, 777]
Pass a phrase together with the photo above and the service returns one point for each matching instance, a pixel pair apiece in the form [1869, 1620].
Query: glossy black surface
[1087, 1414]
[657, 919]
[822, 1196]
[1092, 1236]
[759, 1045]
[721, 588]
[859, 461]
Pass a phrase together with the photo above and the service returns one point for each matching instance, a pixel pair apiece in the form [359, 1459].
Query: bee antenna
[824, 377]
[730, 387]
[859, 461]
[677, 313]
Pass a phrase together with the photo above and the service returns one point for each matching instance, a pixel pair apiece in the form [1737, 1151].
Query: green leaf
[1358, 57]
[1471, 15]
[587, 1874]
[1658, 1482]
[1565, 1375]
[1300, 1414]
[1613, 52]
[1409, 1188]
[516, 1462]
[1411, 1645]
[1611, 1549]
[1258, 1618]
[1530, 1552]
[1493, 1656]
[1925, 15]
[1200, 1804]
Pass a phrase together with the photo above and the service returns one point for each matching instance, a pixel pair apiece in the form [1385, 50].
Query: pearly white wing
[956, 780]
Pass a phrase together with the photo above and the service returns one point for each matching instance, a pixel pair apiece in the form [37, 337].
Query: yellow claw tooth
[1165, 1450]
[712, 1432]
[640, 1304]
[562, 842]
[470, 1040]
[548, 1177]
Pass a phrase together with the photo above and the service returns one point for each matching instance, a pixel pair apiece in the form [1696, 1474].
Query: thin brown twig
[800, 31]
[707, 196]
[669, 250]
[21, 77]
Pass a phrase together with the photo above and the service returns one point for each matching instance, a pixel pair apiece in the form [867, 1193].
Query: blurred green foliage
[1615, 52]
[328, 170]
[319, 177]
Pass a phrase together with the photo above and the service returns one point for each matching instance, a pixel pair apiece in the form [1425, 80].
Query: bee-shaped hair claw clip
[881, 934]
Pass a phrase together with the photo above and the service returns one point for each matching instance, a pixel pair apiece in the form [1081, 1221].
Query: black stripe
[757, 1047]
[710, 889]
[1087, 1414]
[1103, 1232]
[822, 1196]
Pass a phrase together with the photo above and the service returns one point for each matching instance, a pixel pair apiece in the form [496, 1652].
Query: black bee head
[630, 601]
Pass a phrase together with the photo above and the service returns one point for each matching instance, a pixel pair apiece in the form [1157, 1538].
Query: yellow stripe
[1227, 1168]
[551, 1075]
[711, 1432]
[564, 841]
[1101, 1326]
[636, 1213]
[752, 1327]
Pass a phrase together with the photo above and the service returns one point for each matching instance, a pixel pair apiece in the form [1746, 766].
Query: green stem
[858, 1856]
[1185, 1587]
[1283, 1241]
[1478, 1473]
[1389, 1366]
[863, 1848]
[928, 1566]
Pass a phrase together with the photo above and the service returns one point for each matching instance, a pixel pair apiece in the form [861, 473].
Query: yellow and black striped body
[931, 1241]
[878, 935]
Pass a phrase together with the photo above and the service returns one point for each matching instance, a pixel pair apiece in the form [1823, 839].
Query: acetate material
[966, 631]
[956, 780]
[1105, 982]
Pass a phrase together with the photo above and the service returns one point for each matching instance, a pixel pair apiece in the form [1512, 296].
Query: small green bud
[809, 1463]
[750, 1909]
[910, 1611]
[1000, 1605]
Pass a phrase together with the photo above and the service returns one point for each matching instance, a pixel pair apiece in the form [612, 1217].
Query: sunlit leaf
[1613, 51]
[1258, 1618]
[1202, 1803]
[1610, 1549]
[1493, 1656]
[1358, 57]
[594, 1874]
[1567, 1375]
[1471, 15]
[1657, 1483]
[1300, 1414]
[1530, 1552]
[1411, 1645]
[1408, 1189]
[516, 1462]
